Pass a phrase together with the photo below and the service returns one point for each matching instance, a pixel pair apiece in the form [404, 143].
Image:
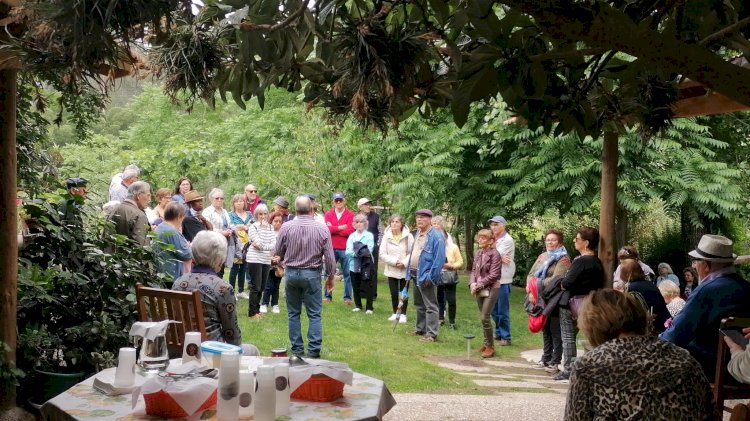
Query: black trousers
[447, 295]
[257, 275]
[395, 285]
[553, 347]
[362, 287]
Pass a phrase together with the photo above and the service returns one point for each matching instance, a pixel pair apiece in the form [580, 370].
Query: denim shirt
[431, 260]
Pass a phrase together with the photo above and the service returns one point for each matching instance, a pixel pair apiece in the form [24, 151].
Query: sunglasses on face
[251, 191]
[338, 200]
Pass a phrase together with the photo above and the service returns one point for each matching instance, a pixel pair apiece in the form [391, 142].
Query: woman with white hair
[666, 274]
[361, 280]
[219, 218]
[671, 294]
[261, 241]
[219, 303]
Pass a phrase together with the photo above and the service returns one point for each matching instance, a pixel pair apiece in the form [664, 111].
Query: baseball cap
[499, 219]
[338, 195]
[362, 201]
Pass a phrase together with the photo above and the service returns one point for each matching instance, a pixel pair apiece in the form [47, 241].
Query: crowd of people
[647, 319]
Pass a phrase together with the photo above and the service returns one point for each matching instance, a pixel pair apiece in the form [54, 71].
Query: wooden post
[608, 208]
[8, 212]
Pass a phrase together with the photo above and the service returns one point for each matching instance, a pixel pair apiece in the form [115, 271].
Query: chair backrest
[725, 387]
[156, 304]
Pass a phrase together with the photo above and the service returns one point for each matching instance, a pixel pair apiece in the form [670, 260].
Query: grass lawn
[369, 344]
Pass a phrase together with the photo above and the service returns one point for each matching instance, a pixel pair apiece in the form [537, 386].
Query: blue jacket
[431, 260]
[172, 249]
[696, 328]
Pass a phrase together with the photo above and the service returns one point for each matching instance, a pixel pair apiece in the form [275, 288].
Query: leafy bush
[76, 301]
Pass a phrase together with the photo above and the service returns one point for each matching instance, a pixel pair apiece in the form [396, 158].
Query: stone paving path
[515, 390]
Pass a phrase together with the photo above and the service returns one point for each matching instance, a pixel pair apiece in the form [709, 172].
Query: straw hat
[714, 248]
[192, 196]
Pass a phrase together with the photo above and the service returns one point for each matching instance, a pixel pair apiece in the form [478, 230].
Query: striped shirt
[263, 236]
[304, 243]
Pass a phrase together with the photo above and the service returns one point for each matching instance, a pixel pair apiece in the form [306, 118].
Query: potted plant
[76, 302]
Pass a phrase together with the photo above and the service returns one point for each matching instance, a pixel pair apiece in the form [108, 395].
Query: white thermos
[228, 401]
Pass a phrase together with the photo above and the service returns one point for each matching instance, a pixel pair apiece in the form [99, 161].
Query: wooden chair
[740, 412]
[733, 390]
[156, 304]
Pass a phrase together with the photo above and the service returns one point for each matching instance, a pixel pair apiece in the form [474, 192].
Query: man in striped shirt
[304, 247]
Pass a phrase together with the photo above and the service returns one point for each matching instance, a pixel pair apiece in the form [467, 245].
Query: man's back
[304, 243]
[696, 328]
[131, 221]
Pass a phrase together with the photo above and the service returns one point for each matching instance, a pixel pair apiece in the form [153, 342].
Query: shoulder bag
[574, 303]
[449, 277]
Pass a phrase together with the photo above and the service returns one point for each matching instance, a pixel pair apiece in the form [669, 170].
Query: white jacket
[506, 246]
[392, 252]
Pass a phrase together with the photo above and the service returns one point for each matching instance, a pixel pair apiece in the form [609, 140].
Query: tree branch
[609, 28]
[562, 55]
[723, 33]
[249, 26]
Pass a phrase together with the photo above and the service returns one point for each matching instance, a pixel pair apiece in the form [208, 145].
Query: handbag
[574, 303]
[278, 271]
[484, 293]
[449, 277]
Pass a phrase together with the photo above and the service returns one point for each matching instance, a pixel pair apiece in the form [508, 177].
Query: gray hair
[665, 266]
[668, 289]
[361, 217]
[209, 249]
[302, 205]
[439, 220]
[215, 192]
[261, 208]
[132, 167]
[130, 173]
[137, 188]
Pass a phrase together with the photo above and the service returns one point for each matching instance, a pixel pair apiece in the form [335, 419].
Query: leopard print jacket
[639, 378]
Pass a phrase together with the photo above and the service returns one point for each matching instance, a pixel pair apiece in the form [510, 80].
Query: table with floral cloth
[366, 398]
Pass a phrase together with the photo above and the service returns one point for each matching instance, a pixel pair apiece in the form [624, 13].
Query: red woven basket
[319, 388]
[161, 404]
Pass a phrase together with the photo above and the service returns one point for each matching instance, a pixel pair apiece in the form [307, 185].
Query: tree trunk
[621, 237]
[8, 215]
[608, 205]
[469, 243]
[689, 233]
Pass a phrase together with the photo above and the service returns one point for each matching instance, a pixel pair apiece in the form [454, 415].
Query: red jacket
[339, 237]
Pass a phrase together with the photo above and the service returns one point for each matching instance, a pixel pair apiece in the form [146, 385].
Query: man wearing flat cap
[70, 206]
[426, 261]
[506, 246]
[722, 293]
[281, 205]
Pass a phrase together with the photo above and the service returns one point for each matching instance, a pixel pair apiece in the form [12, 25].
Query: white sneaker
[368, 312]
[402, 319]
[264, 309]
[393, 317]
[243, 295]
[276, 310]
[356, 309]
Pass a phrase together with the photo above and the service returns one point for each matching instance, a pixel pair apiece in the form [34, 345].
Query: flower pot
[51, 384]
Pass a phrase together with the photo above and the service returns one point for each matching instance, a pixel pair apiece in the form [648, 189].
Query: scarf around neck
[552, 258]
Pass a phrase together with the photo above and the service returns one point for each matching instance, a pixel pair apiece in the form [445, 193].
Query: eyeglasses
[218, 198]
[251, 191]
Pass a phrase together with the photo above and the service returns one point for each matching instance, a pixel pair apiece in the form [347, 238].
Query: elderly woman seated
[219, 303]
[630, 375]
[671, 294]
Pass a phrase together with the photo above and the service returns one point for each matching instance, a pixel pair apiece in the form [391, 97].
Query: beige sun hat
[714, 248]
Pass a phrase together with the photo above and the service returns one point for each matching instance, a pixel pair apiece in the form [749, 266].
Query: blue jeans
[303, 286]
[501, 313]
[343, 259]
